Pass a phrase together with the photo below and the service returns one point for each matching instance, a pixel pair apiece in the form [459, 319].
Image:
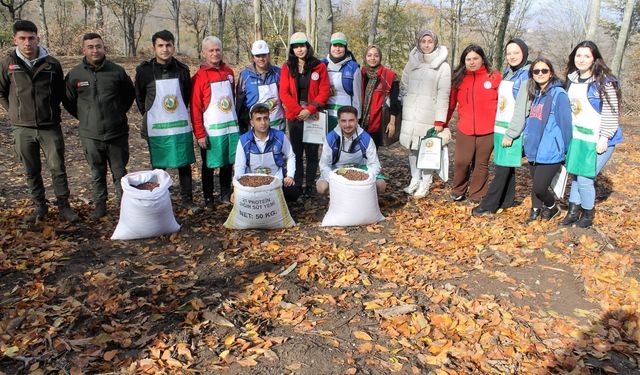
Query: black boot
[99, 211]
[549, 213]
[39, 213]
[587, 218]
[481, 211]
[66, 212]
[573, 214]
[534, 214]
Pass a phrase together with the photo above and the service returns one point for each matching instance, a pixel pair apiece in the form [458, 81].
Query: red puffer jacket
[477, 100]
[201, 93]
[317, 96]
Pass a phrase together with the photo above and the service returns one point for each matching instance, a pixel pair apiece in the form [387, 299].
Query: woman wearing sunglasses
[595, 94]
[546, 137]
[510, 118]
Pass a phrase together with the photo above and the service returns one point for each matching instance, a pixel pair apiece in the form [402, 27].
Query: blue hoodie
[548, 129]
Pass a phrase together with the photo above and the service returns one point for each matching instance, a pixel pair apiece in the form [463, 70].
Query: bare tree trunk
[623, 37]
[220, 8]
[324, 26]
[43, 20]
[174, 10]
[592, 22]
[311, 26]
[291, 18]
[211, 17]
[99, 16]
[373, 25]
[257, 19]
[456, 7]
[498, 55]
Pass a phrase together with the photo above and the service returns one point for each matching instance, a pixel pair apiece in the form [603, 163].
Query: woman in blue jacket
[547, 133]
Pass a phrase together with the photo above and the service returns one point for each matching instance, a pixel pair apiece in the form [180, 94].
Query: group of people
[527, 110]
[239, 124]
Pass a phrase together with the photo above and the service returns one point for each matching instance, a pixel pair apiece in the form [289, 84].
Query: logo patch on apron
[272, 103]
[502, 103]
[576, 106]
[170, 103]
[224, 104]
[264, 170]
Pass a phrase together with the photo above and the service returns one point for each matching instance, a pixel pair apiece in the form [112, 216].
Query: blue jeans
[583, 191]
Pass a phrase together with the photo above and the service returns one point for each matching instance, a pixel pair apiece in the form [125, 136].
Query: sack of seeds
[353, 199]
[259, 204]
[145, 209]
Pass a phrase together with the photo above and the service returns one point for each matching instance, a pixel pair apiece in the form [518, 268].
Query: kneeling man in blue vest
[348, 145]
[267, 151]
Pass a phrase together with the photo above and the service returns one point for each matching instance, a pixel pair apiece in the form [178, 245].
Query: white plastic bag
[261, 207]
[145, 213]
[352, 202]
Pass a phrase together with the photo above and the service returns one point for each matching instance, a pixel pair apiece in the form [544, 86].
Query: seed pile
[353, 175]
[255, 181]
[147, 186]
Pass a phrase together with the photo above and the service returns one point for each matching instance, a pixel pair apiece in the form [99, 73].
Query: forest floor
[429, 289]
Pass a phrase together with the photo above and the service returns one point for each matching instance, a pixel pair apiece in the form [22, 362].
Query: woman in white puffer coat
[425, 87]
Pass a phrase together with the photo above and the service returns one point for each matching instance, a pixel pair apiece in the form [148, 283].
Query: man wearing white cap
[345, 78]
[258, 83]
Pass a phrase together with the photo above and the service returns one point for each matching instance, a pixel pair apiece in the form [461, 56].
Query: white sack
[352, 202]
[261, 207]
[145, 213]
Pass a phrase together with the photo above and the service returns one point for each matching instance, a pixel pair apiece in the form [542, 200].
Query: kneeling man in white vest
[348, 145]
[265, 150]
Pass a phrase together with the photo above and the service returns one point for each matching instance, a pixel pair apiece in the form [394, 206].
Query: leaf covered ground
[430, 289]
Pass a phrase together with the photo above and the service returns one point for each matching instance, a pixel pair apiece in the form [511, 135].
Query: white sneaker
[422, 190]
[413, 186]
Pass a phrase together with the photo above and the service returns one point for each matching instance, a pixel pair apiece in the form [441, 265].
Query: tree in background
[43, 23]
[174, 9]
[592, 20]
[196, 17]
[131, 15]
[14, 8]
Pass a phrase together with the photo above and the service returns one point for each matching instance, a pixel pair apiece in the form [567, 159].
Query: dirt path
[428, 289]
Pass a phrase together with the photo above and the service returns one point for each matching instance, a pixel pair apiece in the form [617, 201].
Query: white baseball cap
[259, 47]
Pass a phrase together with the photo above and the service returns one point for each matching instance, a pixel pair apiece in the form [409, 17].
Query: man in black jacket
[99, 94]
[163, 91]
[31, 88]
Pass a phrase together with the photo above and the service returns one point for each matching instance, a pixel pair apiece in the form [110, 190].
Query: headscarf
[523, 48]
[372, 75]
[424, 33]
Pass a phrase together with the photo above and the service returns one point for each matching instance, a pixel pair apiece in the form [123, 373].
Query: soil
[70, 296]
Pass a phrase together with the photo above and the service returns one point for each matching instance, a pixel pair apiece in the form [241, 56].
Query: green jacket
[99, 97]
[31, 96]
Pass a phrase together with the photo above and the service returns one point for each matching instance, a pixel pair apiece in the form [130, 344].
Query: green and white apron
[338, 98]
[169, 127]
[581, 156]
[268, 94]
[221, 124]
[505, 156]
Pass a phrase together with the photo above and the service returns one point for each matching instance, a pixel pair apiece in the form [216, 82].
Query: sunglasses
[540, 71]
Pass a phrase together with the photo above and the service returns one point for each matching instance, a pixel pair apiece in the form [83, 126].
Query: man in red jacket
[214, 119]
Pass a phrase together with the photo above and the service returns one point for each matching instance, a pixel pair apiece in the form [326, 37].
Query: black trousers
[291, 193]
[541, 177]
[225, 175]
[310, 150]
[502, 190]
